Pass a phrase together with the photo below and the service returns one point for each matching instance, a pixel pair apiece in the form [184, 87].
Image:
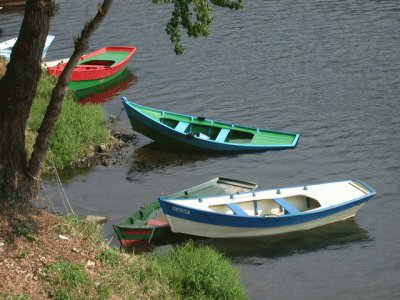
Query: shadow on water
[155, 156]
[244, 250]
[333, 236]
[107, 91]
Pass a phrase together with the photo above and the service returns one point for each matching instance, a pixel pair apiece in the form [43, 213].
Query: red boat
[99, 64]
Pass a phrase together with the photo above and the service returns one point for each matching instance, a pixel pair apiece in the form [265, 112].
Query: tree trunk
[17, 90]
[19, 180]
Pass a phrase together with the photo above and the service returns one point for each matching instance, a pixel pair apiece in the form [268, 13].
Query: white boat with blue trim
[267, 212]
[6, 47]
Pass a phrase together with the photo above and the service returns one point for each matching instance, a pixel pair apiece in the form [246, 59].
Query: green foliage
[79, 127]
[18, 297]
[182, 16]
[200, 273]
[67, 281]
[6, 296]
[109, 257]
[73, 225]
[26, 232]
[24, 254]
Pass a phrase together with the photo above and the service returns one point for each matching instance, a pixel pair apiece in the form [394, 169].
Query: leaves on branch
[195, 26]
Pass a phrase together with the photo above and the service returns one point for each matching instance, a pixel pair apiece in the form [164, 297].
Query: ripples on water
[329, 70]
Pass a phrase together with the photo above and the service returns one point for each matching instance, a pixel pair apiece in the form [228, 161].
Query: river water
[327, 69]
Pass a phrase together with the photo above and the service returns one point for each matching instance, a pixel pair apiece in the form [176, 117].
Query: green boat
[150, 224]
[198, 133]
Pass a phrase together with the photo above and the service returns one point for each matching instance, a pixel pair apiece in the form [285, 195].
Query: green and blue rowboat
[198, 133]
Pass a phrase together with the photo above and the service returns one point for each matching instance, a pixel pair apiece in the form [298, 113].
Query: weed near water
[73, 225]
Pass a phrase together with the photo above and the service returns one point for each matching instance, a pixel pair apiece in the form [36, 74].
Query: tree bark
[17, 90]
[19, 180]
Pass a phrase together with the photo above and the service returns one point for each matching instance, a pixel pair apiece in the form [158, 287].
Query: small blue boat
[199, 133]
[269, 212]
[6, 47]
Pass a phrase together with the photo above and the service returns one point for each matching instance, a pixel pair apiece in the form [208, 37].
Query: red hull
[92, 69]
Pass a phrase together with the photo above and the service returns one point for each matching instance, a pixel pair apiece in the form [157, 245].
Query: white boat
[267, 212]
[54, 63]
[6, 47]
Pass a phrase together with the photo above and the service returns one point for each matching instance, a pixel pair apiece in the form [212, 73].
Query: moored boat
[269, 212]
[97, 67]
[6, 46]
[149, 223]
[183, 131]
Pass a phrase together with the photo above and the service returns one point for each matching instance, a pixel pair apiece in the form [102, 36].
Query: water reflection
[155, 156]
[337, 235]
[107, 91]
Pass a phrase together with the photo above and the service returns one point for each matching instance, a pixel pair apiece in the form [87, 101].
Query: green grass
[67, 281]
[199, 272]
[185, 271]
[79, 129]
[72, 225]
[18, 297]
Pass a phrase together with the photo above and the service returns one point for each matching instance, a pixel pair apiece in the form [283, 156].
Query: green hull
[150, 224]
[103, 87]
[90, 84]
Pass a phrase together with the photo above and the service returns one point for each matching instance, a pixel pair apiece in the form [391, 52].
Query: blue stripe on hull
[254, 221]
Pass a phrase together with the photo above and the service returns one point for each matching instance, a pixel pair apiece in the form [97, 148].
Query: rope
[63, 194]
[154, 227]
[48, 198]
[109, 242]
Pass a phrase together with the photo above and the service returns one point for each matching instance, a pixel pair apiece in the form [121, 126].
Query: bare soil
[23, 256]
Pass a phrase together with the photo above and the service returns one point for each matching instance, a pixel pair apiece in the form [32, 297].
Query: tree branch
[54, 108]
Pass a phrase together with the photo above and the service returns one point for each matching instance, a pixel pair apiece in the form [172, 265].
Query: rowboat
[6, 47]
[96, 68]
[268, 212]
[199, 133]
[149, 223]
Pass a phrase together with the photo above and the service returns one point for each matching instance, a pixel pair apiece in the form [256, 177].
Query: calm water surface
[329, 70]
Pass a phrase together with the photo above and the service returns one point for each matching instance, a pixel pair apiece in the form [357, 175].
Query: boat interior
[268, 207]
[98, 62]
[212, 133]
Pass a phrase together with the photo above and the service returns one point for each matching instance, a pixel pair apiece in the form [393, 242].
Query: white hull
[217, 231]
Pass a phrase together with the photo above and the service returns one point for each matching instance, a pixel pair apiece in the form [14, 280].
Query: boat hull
[218, 231]
[89, 84]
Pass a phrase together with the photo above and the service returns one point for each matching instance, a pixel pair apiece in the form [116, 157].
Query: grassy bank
[37, 263]
[79, 130]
